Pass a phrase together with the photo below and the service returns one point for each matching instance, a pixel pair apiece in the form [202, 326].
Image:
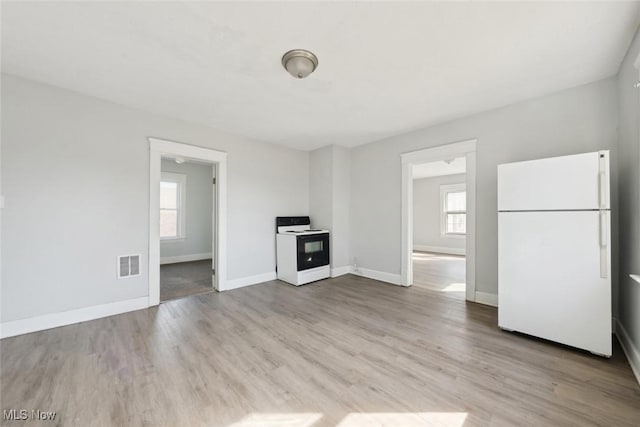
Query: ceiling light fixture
[179, 160]
[299, 63]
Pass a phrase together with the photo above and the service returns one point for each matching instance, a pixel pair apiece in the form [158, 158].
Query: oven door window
[313, 251]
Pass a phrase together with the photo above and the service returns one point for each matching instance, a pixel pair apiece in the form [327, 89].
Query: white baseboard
[487, 298]
[394, 279]
[629, 348]
[440, 249]
[341, 271]
[248, 281]
[184, 258]
[54, 320]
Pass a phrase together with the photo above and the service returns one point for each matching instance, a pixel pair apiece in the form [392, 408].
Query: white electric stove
[302, 252]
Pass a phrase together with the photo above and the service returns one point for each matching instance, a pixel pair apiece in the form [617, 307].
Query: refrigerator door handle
[603, 245]
[602, 195]
[603, 170]
[603, 229]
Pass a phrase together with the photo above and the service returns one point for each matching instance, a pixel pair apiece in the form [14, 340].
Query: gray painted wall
[629, 178]
[329, 198]
[320, 188]
[577, 120]
[75, 175]
[341, 248]
[426, 213]
[199, 209]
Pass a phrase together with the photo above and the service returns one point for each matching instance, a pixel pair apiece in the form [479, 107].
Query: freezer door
[554, 273]
[560, 183]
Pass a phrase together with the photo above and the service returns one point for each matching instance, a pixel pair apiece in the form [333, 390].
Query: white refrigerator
[554, 250]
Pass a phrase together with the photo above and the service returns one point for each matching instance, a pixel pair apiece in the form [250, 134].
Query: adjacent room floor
[348, 351]
[440, 272]
[185, 278]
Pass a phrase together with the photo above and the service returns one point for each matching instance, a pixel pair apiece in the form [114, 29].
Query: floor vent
[128, 266]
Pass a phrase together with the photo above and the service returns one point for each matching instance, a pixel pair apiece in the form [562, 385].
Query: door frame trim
[441, 152]
[157, 149]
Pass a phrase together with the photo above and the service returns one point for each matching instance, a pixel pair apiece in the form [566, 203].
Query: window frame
[444, 190]
[181, 205]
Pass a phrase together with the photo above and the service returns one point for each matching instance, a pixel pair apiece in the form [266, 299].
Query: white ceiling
[384, 68]
[440, 168]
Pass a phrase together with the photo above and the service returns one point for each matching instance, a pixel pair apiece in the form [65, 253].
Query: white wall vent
[128, 266]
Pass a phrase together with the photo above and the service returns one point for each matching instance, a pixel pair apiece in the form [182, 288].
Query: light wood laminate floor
[440, 272]
[347, 351]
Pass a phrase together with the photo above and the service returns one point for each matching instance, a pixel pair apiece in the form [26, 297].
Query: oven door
[313, 251]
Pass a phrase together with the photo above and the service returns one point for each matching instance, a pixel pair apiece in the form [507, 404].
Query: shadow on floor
[184, 279]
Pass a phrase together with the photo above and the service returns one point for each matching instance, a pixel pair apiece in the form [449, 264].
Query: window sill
[454, 235]
[172, 239]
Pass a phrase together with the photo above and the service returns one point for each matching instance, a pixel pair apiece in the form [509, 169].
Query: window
[172, 206]
[454, 209]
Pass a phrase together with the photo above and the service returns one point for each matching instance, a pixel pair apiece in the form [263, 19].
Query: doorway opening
[438, 219]
[439, 226]
[186, 227]
[187, 220]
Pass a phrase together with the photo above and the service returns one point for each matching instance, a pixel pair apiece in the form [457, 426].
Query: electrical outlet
[355, 266]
